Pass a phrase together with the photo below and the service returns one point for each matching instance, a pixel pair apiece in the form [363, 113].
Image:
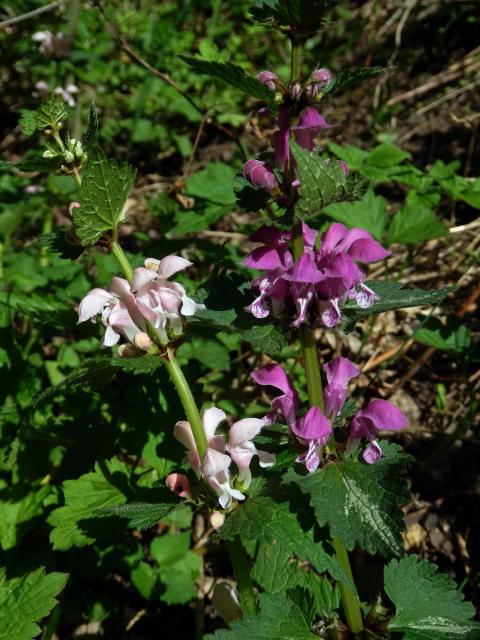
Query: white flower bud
[143, 341]
[69, 157]
[217, 519]
[127, 351]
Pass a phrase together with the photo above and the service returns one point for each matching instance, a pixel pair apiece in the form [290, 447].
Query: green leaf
[233, 75]
[362, 503]
[42, 307]
[214, 183]
[58, 242]
[143, 515]
[17, 514]
[179, 567]
[25, 601]
[51, 113]
[369, 213]
[348, 78]
[275, 571]
[28, 121]
[248, 197]
[321, 183]
[104, 191]
[209, 352]
[413, 224]
[87, 498]
[454, 337]
[145, 579]
[427, 603]
[263, 519]
[39, 163]
[303, 17]
[387, 155]
[392, 296]
[280, 618]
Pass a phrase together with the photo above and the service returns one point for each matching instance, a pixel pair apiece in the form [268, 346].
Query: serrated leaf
[427, 603]
[104, 191]
[57, 242]
[369, 213]
[87, 498]
[39, 163]
[41, 307]
[453, 337]
[361, 503]
[91, 135]
[142, 515]
[214, 183]
[51, 113]
[263, 519]
[279, 619]
[349, 78]
[392, 296]
[28, 121]
[322, 182]
[303, 17]
[179, 567]
[97, 372]
[413, 224]
[25, 601]
[275, 571]
[233, 75]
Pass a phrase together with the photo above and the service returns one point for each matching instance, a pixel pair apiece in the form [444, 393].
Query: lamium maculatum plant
[314, 474]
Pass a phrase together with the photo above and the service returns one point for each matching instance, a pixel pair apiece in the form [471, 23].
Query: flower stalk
[350, 600]
[238, 558]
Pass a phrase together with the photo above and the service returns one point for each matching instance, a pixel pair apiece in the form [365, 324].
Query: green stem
[295, 61]
[188, 402]
[350, 601]
[122, 260]
[239, 562]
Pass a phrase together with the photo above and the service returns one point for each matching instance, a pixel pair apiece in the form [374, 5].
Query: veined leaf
[361, 503]
[144, 515]
[348, 78]
[91, 135]
[264, 519]
[86, 499]
[25, 601]
[427, 603]
[413, 224]
[280, 618]
[104, 191]
[453, 337]
[233, 75]
[44, 308]
[321, 183]
[304, 17]
[392, 296]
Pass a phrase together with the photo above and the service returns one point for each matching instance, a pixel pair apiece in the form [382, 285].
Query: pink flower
[67, 94]
[215, 467]
[259, 175]
[241, 448]
[179, 484]
[269, 79]
[339, 373]
[313, 430]
[328, 276]
[126, 308]
[380, 415]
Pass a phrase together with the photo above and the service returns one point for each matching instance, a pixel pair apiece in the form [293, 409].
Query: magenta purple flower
[313, 430]
[322, 278]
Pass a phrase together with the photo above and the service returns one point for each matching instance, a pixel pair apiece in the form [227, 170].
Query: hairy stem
[238, 558]
[188, 402]
[295, 61]
[122, 260]
[350, 601]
